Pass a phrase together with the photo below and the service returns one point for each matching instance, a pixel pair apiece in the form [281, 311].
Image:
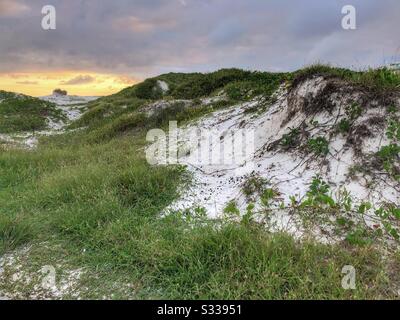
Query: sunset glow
[75, 82]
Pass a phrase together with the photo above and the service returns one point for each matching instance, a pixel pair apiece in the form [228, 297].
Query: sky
[102, 46]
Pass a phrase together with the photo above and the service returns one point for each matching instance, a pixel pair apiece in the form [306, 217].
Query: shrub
[388, 157]
[319, 146]
[254, 185]
[380, 81]
[290, 139]
[231, 209]
[393, 132]
[353, 111]
[344, 126]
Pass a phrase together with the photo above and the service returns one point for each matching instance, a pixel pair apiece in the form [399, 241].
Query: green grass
[6, 95]
[377, 81]
[239, 85]
[318, 145]
[104, 110]
[93, 199]
[105, 199]
[134, 122]
[23, 113]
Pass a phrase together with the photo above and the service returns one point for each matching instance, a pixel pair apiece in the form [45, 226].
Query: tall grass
[105, 200]
[380, 80]
[93, 194]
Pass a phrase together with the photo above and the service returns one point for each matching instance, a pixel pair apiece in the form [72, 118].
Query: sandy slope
[288, 171]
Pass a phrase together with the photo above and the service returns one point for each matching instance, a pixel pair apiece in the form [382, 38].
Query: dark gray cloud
[147, 37]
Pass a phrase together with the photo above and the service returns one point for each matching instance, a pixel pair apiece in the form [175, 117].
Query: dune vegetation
[88, 200]
[20, 113]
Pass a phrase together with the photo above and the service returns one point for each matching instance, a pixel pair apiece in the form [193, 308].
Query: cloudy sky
[101, 46]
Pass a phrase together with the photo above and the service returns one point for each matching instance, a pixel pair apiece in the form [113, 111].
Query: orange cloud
[27, 82]
[11, 8]
[79, 80]
[139, 25]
